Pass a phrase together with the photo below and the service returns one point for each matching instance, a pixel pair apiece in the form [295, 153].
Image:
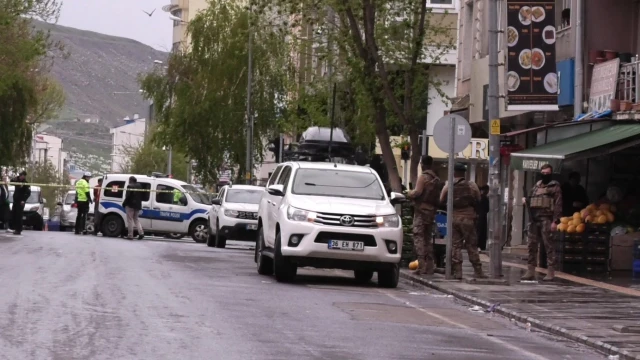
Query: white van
[33, 215]
[160, 214]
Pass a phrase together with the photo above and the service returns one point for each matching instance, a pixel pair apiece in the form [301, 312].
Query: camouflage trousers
[464, 235]
[423, 223]
[540, 230]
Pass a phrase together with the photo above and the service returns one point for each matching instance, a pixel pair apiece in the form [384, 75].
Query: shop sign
[603, 85]
[532, 79]
[533, 164]
[478, 149]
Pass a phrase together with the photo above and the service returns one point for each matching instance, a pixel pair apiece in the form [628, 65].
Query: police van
[162, 211]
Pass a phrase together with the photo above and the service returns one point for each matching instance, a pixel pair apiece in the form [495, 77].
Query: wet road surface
[84, 297]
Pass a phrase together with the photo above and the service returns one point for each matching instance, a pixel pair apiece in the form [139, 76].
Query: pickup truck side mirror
[397, 198]
[216, 202]
[276, 190]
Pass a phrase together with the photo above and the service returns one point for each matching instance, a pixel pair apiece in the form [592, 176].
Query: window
[114, 189]
[178, 14]
[197, 195]
[338, 183]
[146, 195]
[170, 195]
[70, 198]
[565, 15]
[244, 196]
[274, 176]
[440, 3]
[284, 178]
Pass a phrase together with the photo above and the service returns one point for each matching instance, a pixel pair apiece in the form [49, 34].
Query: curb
[607, 349]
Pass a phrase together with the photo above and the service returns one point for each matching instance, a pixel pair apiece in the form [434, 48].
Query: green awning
[583, 146]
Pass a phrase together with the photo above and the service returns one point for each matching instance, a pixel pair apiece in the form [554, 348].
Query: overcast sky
[121, 18]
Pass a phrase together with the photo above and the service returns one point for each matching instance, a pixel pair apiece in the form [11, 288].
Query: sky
[121, 18]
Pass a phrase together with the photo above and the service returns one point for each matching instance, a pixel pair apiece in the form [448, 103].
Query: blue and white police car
[162, 212]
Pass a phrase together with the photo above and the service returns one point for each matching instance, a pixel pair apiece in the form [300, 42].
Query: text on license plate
[346, 245]
[252, 227]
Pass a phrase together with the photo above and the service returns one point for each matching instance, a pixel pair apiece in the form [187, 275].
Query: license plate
[346, 245]
[252, 227]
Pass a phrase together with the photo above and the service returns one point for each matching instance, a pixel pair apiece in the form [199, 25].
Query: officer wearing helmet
[83, 199]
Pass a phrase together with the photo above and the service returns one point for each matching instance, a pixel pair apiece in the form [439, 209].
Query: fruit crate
[582, 253]
[597, 228]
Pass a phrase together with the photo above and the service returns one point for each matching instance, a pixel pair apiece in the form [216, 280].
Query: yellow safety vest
[82, 188]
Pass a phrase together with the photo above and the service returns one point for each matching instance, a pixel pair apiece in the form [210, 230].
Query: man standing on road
[133, 204]
[466, 196]
[545, 204]
[20, 195]
[425, 198]
[4, 203]
[96, 207]
[83, 199]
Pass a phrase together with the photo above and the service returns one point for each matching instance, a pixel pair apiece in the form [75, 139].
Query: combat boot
[551, 274]
[456, 269]
[530, 274]
[477, 272]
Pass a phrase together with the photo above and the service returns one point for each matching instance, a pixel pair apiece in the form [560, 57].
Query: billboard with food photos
[531, 76]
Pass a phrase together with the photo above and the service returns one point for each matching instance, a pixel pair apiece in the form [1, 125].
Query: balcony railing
[629, 81]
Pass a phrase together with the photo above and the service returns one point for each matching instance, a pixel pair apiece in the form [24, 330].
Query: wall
[438, 105]
[55, 154]
[124, 139]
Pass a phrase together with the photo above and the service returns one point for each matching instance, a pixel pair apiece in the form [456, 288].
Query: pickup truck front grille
[247, 215]
[361, 221]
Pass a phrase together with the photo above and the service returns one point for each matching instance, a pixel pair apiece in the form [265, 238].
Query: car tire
[363, 276]
[112, 226]
[90, 226]
[221, 241]
[389, 278]
[198, 231]
[264, 263]
[211, 239]
[284, 270]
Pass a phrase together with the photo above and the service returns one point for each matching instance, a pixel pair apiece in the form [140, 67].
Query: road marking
[452, 322]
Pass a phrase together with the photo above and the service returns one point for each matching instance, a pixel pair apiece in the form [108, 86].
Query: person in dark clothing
[96, 207]
[133, 204]
[483, 212]
[20, 195]
[4, 204]
[574, 196]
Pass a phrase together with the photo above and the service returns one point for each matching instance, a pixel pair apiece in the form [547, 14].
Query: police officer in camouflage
[425, 197]
[466, 196]
[545, 210]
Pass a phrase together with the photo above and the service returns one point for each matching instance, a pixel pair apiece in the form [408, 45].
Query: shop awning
[599, 142]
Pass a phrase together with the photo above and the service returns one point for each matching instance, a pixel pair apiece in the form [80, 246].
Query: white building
[125, 139]
[49, 148]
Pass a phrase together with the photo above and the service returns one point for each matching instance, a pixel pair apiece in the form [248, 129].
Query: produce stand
[584, 253]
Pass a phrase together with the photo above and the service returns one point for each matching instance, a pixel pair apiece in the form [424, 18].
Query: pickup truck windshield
[338, 183]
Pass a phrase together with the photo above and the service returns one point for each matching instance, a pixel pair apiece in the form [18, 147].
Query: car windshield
[70, 198]
[197, 195]
[340, 183]
[244, 196]
[34, 198]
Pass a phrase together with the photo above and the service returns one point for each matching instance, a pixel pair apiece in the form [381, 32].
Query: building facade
[186, 10]
[49, 148]
[125, 139]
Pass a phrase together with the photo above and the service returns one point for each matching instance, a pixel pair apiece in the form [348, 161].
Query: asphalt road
[83, 297]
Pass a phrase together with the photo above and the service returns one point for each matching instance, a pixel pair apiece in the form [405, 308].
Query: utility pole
[169, 160]
[249, 165]
[494, 242]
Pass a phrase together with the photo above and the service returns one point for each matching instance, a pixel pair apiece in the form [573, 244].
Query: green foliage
[148, 158]
[201, 101]
[45, 173]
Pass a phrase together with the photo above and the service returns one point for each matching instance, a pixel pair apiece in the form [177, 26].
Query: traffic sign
[461, 133]
[495, 127]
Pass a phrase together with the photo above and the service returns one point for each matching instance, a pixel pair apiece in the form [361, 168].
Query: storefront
[600, 237]
[476, 156]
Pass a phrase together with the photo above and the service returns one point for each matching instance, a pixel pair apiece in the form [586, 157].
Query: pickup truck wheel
[389, 278]
[264, 263]
[363, 276]
[211, 239]
[221, 241]
[112, 226]
[283, 268]
[198, 231]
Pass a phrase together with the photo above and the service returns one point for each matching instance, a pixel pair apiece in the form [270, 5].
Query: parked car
[234, 214]
[70, 212]
[34, 214]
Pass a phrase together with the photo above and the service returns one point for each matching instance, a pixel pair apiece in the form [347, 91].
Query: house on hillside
[125, 139]
[49, 148]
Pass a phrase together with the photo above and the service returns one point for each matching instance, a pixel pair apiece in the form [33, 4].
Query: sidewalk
[579, 309]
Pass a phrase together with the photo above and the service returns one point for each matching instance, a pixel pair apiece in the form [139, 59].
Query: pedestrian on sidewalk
[466, 196]
[20, 195]
[4, 203]
[96, 207]
[133, 204]
[483, 212]
[426, 198]
[545, 205]
[83, 200]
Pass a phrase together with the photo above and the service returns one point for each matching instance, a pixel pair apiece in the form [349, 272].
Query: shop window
[114, 189]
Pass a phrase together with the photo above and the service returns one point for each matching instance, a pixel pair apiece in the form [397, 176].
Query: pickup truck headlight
[231, 213]
[391, 221]
[294, 214]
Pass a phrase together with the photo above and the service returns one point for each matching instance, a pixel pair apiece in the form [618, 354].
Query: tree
[200, 102]
[51, 99]
[383, 48]
[148, 157]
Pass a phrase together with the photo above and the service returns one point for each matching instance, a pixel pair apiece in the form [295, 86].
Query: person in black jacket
[20, 195]
[4, 204]
[133, 204]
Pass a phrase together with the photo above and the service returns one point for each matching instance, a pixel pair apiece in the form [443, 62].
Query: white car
[234, 214]
[69, 212]
[328, 215]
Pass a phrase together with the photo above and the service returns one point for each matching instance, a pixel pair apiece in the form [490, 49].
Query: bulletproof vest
[430, 197]
[463, 197]
[542, 198]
